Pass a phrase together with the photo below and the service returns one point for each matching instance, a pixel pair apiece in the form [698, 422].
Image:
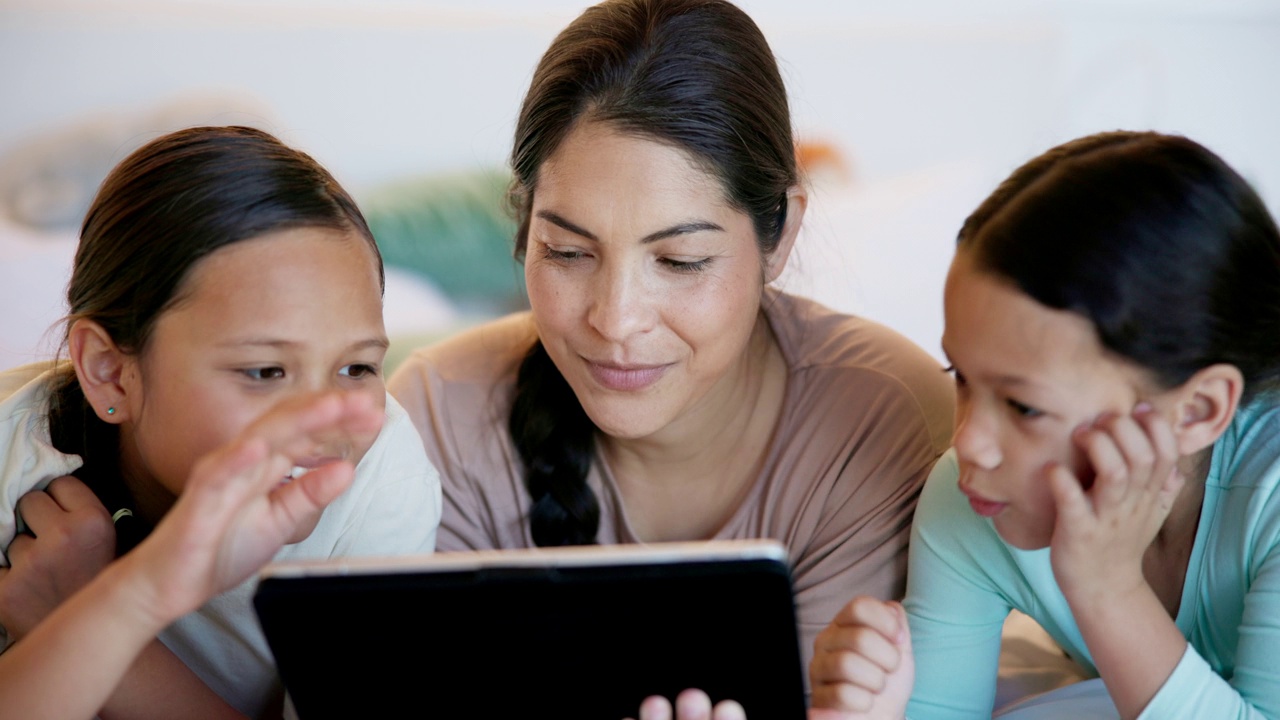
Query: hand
[70, 540]
[690, 705]
[236, 510]
[1102, 533]
[862, 663]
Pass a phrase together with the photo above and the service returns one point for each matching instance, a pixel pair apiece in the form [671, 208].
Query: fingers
[856, 654]
[868, 611]
[692, 704]
[294, 427]
[1132, 455]
[309, 494]
[65, 515]
[728, 710]
[39, 510]
[655, 708]
[269, 447]
[1072, 506]
[73, 495]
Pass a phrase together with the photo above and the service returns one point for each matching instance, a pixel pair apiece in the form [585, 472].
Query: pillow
[453, 230]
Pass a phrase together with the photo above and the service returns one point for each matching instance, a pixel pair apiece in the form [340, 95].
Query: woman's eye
[951, 370]
[359, 370]
[687, 266]
[1025, 411]
[264, 373]
[562, 255]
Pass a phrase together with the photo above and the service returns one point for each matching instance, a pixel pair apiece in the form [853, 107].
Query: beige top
[865, 416]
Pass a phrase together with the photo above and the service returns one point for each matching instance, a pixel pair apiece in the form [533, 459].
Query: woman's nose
[621, 305]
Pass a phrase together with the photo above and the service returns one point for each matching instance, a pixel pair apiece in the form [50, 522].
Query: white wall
[932, 102]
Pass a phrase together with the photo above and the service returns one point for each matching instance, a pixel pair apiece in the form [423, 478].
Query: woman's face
[1026, 377]
[256, 322]
[645, 284]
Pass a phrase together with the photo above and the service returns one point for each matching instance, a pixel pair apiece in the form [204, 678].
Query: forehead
[284, 275]
[599, 166]
[993, 329]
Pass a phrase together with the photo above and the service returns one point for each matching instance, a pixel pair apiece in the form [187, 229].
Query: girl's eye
[359, 370]
[264, 373]
[951, 370]
[687, 266]
[1025, 411]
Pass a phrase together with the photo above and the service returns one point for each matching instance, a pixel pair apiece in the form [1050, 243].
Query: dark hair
[159, 212]
[697, 75]
[1152, 238]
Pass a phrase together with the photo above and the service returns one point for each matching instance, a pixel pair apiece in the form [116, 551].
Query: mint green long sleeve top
[963, 580]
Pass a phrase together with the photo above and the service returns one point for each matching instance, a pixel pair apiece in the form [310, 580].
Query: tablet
[578, 632]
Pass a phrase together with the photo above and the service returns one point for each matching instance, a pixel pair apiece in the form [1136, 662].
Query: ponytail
[556, 442]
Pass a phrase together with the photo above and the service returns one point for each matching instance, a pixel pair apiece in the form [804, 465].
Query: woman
[659, 390]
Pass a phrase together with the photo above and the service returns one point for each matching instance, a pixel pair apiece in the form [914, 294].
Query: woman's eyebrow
[555, 219]
[685, 228]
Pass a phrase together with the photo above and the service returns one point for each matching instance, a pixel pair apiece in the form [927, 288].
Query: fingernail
[1142, 408]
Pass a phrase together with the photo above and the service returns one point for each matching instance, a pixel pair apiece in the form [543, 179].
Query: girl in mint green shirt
[1113, 323]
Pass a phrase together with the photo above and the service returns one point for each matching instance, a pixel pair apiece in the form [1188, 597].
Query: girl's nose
[975, 438]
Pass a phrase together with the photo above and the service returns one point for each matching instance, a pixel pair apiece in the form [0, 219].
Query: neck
[1184, 517]
[152, 499]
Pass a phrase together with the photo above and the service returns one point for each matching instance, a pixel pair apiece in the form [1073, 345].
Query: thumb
[907, 663]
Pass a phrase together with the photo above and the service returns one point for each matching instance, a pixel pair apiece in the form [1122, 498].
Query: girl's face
[645, 284]
[1026, 377]
[255, 322]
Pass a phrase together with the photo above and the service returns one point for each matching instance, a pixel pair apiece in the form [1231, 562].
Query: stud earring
[111, 411]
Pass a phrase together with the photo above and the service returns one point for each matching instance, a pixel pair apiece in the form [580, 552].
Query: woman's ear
[103, 370]
[1205, 405]
[776, 261]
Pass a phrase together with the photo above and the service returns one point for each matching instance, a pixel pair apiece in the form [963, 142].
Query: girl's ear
[776, 261]
[103, 369]
[1205, 405]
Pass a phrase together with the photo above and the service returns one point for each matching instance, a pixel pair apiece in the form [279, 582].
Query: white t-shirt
[392, 508]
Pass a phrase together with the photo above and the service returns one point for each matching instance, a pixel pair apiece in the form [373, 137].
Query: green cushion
[454, 230]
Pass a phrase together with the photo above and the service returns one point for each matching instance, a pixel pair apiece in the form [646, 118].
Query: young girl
[219, 273]
[233, 515]
[1113, 318]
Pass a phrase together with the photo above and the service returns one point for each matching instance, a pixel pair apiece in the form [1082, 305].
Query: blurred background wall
[909, 111]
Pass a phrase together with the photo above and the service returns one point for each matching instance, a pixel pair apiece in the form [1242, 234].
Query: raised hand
[233, 515]
[70, 539]
[862, 664]
[1102, 532]
[237, 508]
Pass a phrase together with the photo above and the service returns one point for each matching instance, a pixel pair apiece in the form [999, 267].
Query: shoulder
[482, 354]
[1248, 453]
[861, 364]
[29, 455]
[1245, 471]
[397, 453]
[29, 459]
[465, 374]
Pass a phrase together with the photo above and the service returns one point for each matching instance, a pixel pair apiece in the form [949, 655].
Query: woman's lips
[625, 378]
